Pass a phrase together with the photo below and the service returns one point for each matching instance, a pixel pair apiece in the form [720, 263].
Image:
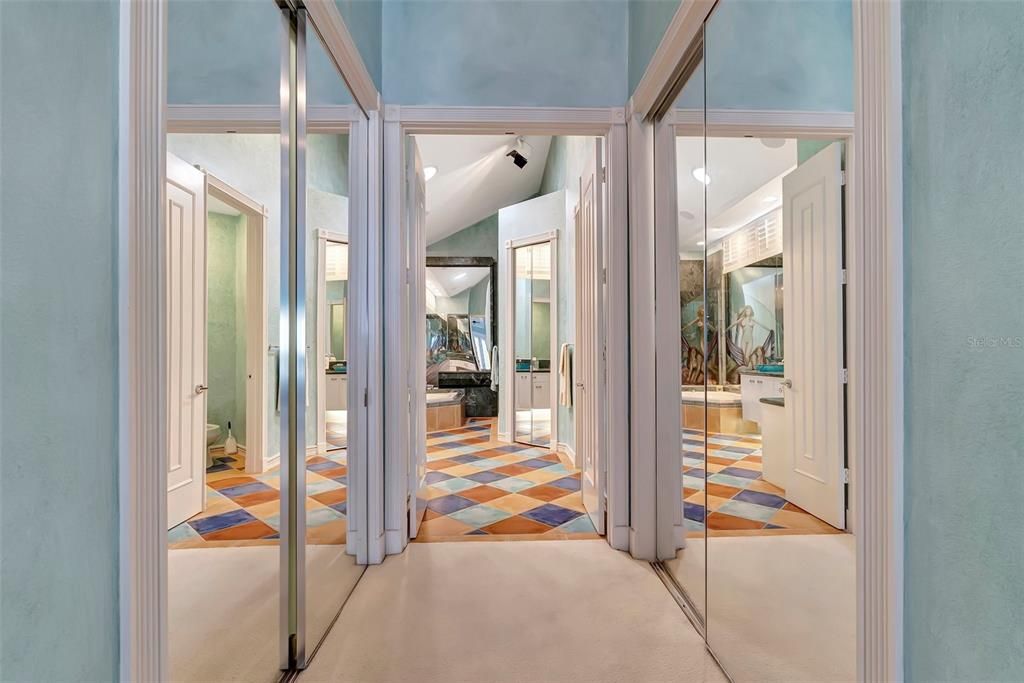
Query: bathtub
[435, 398]
[446, 409]
[717, 398]
[722, 412]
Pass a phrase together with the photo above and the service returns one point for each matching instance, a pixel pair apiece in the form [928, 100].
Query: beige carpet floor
[780, 608]
[223, 608]
[533, 611]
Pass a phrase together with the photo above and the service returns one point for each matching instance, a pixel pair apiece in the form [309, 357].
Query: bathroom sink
[778, 367]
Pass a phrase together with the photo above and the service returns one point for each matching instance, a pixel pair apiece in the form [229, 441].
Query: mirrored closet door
[261, 294]
[533, 326]
[753, 152]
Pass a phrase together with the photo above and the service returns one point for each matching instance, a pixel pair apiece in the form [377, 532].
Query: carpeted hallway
[528, 611]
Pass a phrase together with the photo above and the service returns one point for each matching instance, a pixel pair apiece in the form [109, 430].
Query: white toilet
[212, 436]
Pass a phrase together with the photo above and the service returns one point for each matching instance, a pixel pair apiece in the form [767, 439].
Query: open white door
[589, 352]
[812, 255]
[185, 251]
[416, 214]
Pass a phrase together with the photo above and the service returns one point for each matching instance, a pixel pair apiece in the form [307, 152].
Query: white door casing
[589, 350]
[185, 247]
[416, 275]
[813, 319]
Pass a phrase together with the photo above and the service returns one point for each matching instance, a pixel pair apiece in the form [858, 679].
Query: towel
[565, 373]
[494, 368]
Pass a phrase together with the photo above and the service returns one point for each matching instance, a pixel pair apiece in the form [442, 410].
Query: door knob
[787, 383]
[200, 388]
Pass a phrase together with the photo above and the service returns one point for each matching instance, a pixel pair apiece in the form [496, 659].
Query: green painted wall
[479, 239]
[58, 341]
[963, 94]
[225, 323]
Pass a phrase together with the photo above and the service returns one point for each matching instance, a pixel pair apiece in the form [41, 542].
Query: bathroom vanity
[337, 387]
[755, 385]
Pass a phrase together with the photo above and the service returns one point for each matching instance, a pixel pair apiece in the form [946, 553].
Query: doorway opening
[494, 424]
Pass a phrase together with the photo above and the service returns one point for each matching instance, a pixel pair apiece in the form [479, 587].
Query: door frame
[402, 120]
[257, 457]
[875, 420]
[143, 123]
[510, 246]
[322, 238]
[684, 122]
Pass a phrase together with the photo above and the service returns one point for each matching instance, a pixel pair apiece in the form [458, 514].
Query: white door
[186, 340]
[812, 258]
[589, 351]
[416, 214]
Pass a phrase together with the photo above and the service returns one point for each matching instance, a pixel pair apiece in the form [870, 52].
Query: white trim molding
[765, 123]
[256, 118]
[342, 48]
[142, 375]
[543, 120]
[875, 337]
[663, 71]
[400, 121]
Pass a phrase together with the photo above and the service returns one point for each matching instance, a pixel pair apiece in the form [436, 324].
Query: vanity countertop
[762, 374]
[535, 371]
[774, 401]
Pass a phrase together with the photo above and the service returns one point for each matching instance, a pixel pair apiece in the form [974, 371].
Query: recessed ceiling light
[429, 172]
[770, 199]
[459, 276]
[773, 143]
[701, 175]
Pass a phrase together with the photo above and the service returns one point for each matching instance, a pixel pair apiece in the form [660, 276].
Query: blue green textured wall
[512, 52]
[963, 80]
[479, 239]
[648, 20]
[776, 54]
[58, 347]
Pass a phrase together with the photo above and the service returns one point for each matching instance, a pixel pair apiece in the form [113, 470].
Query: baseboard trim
[393, 542]
[568, 452]
[618, 537]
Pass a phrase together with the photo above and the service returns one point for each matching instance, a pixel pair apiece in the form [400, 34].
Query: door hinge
[604, 174]
[842, 276]
[408, 276]
[366, 397]
[846, 475]
[842, 177]
[604, 275]
[844, 376]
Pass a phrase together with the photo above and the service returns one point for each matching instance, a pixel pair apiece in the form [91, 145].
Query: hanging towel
[565, 373]
[494, 368]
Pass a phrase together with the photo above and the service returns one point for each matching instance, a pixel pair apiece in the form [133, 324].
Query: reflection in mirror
[533, 344]
[778, 547]
[222, 541]
[330, 571]
[698, 380]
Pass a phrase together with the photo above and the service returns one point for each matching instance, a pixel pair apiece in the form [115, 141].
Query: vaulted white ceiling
[745, 182]
[450, 281]
[474, 178]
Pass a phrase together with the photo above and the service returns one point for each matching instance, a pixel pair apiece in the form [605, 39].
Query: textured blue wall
[963, 85]
[363, 18]
[777, 54]
[58, 347]
[229, 52]
[648, 20]
[512, 52]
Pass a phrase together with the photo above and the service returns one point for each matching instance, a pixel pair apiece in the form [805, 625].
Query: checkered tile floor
[738, 499]
[244, 509]
[479, 488]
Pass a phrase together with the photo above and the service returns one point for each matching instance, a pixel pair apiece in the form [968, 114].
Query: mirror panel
[781, 588]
